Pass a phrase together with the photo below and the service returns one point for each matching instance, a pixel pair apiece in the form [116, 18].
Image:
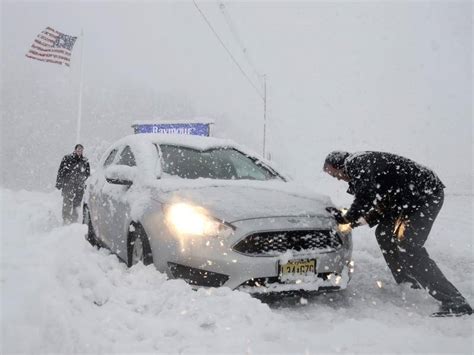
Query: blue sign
[196, 129]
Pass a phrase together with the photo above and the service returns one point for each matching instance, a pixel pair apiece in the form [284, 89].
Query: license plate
[296, 269]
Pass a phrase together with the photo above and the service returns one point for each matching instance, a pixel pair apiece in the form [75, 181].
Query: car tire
[86, 219]
[138, 246]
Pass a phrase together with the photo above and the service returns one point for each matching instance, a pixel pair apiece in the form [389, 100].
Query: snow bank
[60, 295]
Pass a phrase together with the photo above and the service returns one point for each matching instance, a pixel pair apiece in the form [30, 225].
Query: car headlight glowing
[344, 228]
[188, 220]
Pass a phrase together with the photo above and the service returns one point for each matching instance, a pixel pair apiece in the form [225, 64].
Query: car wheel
[138, 246]
[86, 219]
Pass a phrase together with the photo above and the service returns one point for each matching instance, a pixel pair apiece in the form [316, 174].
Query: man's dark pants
[406, 255]
[72, 198]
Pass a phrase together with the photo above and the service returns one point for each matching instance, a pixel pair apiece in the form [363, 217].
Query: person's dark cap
[78, 146]
[336, 159]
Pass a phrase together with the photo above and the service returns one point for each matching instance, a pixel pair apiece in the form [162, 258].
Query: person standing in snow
[403, 199]
[72, 174]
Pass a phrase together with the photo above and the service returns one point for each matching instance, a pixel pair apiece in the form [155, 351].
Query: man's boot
[453, 309]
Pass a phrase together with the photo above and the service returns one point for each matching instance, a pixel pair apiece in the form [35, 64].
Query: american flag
[52, 46]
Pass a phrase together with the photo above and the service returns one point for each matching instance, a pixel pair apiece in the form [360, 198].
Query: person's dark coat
[386, 185]
[72, 174]
[403, 198]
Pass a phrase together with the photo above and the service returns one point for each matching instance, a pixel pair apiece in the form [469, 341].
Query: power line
[228, 51]
[233, 30]
[239, 41]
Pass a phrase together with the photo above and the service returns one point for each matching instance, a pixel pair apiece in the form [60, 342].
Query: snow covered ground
[60, 295]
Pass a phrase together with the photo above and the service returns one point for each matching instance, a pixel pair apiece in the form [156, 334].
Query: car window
[245, 168]
[220, 163]
[126, 157]
[110, 158]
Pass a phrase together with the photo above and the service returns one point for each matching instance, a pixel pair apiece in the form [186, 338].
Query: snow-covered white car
[207, 211]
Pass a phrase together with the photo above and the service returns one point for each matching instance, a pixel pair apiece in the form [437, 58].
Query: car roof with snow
[140, 141]
[190, 141]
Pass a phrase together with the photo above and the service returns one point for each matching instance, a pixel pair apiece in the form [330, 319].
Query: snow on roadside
[60, 295]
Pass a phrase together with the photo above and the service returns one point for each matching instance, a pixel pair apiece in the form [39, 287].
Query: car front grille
[274, 243]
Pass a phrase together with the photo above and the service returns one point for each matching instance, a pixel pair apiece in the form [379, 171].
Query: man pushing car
[403, 199]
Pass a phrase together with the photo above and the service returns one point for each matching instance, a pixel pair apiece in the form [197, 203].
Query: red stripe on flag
[42, 43]
[48, 55]
[46, 60]
[52, 30]
[50, 35]
[44, 38]
[51, 50]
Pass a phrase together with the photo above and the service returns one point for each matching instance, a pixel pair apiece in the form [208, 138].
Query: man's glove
[337, 214]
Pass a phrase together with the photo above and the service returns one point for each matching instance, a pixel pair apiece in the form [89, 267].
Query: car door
[94, 196]
[116, 206]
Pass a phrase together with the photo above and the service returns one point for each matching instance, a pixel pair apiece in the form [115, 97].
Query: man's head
[334, 165]
[78, 149]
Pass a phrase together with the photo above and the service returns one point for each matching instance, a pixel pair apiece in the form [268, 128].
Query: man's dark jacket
[73, 172]
[387, 186]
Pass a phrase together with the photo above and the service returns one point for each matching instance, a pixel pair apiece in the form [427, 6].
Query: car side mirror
[121, 174]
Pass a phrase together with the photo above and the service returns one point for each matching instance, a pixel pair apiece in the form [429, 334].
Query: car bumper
[213, 262]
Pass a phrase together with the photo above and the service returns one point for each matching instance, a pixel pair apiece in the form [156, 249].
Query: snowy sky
[393, 76]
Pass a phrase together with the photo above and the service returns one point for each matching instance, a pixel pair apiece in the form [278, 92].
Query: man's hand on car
[337, 214]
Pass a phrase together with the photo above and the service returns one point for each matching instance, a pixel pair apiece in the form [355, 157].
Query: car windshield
[220, 163]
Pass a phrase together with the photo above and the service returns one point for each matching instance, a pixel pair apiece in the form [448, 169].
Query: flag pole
[79, 111]
[264, 115]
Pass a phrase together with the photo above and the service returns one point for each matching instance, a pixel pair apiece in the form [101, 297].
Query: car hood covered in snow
[238, 200]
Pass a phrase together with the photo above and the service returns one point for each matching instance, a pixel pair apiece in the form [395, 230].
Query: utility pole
[264, 115]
